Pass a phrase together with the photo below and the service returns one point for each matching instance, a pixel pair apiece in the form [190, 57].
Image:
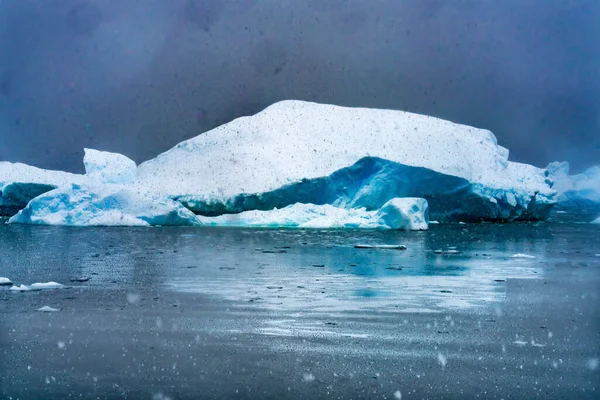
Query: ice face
[103, 205]
[305, 152]
[402, 214]
[106, 167]
[579, 190]
[371, 182]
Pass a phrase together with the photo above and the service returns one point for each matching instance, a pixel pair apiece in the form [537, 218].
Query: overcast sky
[137, 77]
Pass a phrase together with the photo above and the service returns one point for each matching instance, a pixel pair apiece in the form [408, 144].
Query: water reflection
[295, 269]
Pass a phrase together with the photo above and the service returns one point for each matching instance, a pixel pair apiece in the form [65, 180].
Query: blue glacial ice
[103, 205]
[580, 190]
[299, 152]
[399, 213]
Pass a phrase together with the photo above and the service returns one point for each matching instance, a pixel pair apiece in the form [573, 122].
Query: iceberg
[581, 190]
[106, 167]
[19, 183]
[596, 221]
[300, 152]
[399, 213]
[103, 205]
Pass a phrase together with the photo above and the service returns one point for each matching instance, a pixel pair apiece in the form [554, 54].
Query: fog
[137, 77]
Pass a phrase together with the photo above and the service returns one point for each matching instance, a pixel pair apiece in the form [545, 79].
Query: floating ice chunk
[381, 246]
[593, 363]
[403, 214]
[299, 152]
[398, 395]
[521, 255]
[21, 288]
[48, 309]
[46, 286]
[575, 190]
[308, 377]
[106, 167]
[5, 281]
[103, 205]
[596, 221]
[442, 360]
[447, 252]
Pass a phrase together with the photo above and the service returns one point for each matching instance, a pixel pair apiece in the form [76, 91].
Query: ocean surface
[467, 310]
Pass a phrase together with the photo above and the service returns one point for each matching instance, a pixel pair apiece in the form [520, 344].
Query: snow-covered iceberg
[19, 183]
[402, 214]
[299, 152]
[103, 205]
[580, 190]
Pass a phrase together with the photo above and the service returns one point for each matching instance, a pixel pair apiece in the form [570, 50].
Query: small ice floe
[381, 246]
[48, 309]
[534, 344]
[442, 360]
[80, 279]
[46, 285]
[434, 223]
[462, 223]
[450, 251]
[592, 364]
[308, 377]
[521, 255]
[520, 343]
[397, 393]
[5, 281]
[597, 255]
[21, 288]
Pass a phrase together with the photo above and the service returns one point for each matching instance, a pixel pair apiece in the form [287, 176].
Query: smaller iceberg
[398, 213]
[19, 183]
[106, 167]
[596, 221]
[105, 205]
[580, 190]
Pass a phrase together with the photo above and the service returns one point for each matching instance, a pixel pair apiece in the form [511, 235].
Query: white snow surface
[295, 140]
[399, 213]
[5, 281]
[106, 167]
[579, 189]
[103, 205]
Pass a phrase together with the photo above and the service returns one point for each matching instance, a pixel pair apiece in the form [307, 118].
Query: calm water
[308, 295]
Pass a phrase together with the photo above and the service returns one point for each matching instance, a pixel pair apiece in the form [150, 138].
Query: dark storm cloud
[137, 77]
